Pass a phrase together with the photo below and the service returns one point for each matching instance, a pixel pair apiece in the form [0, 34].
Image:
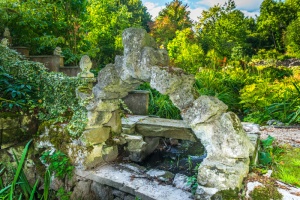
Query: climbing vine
[50, 96]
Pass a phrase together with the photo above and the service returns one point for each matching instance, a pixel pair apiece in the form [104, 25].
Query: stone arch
[221, 133]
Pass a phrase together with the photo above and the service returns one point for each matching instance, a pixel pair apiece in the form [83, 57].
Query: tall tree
[272, 22]
[185, 52]
[173, 17]
[106, 21]
[223, 27]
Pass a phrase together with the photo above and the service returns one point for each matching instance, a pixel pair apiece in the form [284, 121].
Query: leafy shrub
[160, 105]
[51, 96]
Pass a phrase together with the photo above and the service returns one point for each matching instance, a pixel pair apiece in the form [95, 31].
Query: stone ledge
[123, 178]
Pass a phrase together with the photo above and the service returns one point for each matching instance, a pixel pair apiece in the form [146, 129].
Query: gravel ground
[286, 135]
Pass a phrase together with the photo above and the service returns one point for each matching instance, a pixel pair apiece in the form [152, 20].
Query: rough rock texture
[227, 145]
[228, 148]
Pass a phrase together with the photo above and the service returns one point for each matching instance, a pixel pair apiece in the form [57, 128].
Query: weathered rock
[215, 174]
[205, 193]
[94, 157]
[115, 122]
[159, 127]
[228, 150]
[102, 191]
[110, 85]
[183, 98]
[138, 148]
[83, 190]
[97, 119]
[108, 105]
[95, 136]
[250, 127]
[137, 102]
[204, 109]
[144, 188]
[165, 81]
[110, 153]
[160, 175]
[181, 181]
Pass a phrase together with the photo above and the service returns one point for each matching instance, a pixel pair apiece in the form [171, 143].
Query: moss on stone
[266, 192]
[226, 195]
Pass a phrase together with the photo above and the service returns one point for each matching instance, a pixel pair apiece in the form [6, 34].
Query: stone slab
[131, 120]
[160, 127]
[134, 183]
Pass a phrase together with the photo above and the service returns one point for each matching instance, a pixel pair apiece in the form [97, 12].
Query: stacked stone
[221, 133]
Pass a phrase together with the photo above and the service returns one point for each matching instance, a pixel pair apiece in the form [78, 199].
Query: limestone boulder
[135, 39]
[183, 98]
[213, 173]
[167, 80]
[110, 85]
[204, 109]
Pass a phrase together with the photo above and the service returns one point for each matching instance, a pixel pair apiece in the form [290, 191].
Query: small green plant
[59, 163]
[190, 163]
[192, 180]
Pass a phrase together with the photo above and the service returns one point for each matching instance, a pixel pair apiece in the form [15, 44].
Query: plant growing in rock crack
[192, 180]
[58, 163]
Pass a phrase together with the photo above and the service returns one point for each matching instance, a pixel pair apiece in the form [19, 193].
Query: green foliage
[30, 88]
[160, 105]
[58, 163]
[265, 154]
[221, 28]
[19, 186]
[106, 21]
[184, 52]
[174, 17]
[287, 168]
[270, 98]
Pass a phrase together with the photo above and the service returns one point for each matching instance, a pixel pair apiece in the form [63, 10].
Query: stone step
[134, 180]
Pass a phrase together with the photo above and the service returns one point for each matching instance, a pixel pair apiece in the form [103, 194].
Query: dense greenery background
[222, 48]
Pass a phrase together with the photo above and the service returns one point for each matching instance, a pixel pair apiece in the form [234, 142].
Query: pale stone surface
[215, 174]
[160, 175]
[181, 181]
[110, 153]
[166, 82]
[204, 109]
[85, 65]
[159, 127]
[123, 179]
[95, 136]
[205, 193]
[251, 127]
